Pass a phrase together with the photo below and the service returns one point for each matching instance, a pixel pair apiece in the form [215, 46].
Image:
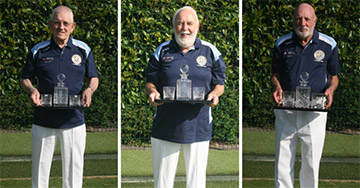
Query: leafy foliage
[24, 24]
[264, 22]
[145, 25]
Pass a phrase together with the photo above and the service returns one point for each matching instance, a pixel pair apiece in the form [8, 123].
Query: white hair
[62, 9]
[180, 9]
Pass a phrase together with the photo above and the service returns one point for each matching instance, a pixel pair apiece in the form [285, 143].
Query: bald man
[183, 126]
[304, 50]
[46, 60]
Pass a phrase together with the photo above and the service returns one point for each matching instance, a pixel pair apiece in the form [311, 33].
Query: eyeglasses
[66, 24]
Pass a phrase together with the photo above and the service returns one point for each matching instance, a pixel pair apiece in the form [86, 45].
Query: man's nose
[303, 22]
[185, 27]
[61, 26]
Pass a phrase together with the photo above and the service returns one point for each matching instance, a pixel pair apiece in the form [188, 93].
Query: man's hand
[151, 90]
[213, 97]
[278, 92]
[277, 96]
[329, 93]
[35, 97]
[329, 96]
[30, 89]
[153, 96]
[86, 97]
[215, 94]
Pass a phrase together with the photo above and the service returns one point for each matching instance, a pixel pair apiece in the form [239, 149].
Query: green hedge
[145, 25]
[24, 24]
[264, 22]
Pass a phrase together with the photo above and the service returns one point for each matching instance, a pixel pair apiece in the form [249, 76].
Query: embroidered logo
[48, 59]
[201, 61]
[319, 55]
[76, 59]
[289, 54]
[168, 59]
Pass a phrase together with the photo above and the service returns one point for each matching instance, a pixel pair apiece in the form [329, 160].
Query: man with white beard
[304, 50]
[183, 125]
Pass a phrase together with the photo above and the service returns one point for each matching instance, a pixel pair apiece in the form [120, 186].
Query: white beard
[308, 32]
[185, 43]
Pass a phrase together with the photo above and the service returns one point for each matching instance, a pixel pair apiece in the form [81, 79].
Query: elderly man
[187, 126]
[48, 59]
[304, 50]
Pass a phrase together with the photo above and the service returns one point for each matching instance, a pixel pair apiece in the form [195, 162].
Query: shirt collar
[315, 37]
[68, 44]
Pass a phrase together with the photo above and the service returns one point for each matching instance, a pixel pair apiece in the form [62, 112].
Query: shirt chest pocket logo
[319, 55]
[168, 59]
[48, 59]
[76, 59]
[201, 61]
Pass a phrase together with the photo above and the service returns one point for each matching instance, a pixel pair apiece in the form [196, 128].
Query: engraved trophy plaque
[303, 92]
[183, 85]
[61, 92]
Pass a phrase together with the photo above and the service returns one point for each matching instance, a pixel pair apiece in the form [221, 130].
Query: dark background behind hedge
[264, 22]
[24, 24]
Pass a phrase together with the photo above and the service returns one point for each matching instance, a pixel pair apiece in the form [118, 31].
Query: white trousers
[165, 156]
[290, 126]
[72, 154]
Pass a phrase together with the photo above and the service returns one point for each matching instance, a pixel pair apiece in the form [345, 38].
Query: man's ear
[73, 26]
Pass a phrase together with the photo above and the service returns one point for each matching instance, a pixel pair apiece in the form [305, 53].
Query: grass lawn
[138, 163]
[337, 171]
[57, 182]
[270, 183]
[214, 184]
[17, 144]
[341, 146]
[91, 168]
[336, 145]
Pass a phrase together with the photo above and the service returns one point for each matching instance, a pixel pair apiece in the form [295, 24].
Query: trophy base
[184, 102]
[301, 109]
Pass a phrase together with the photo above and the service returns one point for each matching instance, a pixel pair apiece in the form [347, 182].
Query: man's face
[62, 26]
[304, 21]
[186, 27]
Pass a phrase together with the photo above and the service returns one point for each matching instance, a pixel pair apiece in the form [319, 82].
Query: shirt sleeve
[29, 69]
[333, 66]
[91, 68]
[276, 61]
[218, 71]
[151, 72]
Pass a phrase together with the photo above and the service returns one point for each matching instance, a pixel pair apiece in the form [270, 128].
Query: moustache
[306, 28]
[185, 33]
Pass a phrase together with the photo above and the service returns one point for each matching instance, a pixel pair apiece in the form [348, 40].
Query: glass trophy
[61, 92]
[183, 85]
[303, 92]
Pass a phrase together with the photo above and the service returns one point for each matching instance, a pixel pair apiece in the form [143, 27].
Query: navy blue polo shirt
[46, 61]
[319, 58]
[185, 123]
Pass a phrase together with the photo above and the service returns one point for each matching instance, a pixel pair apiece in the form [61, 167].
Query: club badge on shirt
[319, 55]
[76, 59]
[201, 61]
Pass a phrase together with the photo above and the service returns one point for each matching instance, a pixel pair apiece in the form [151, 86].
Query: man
[304, 50]
[48, 59]
[186, 126]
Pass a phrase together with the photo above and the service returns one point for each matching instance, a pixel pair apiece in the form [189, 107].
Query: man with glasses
[46, 60]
